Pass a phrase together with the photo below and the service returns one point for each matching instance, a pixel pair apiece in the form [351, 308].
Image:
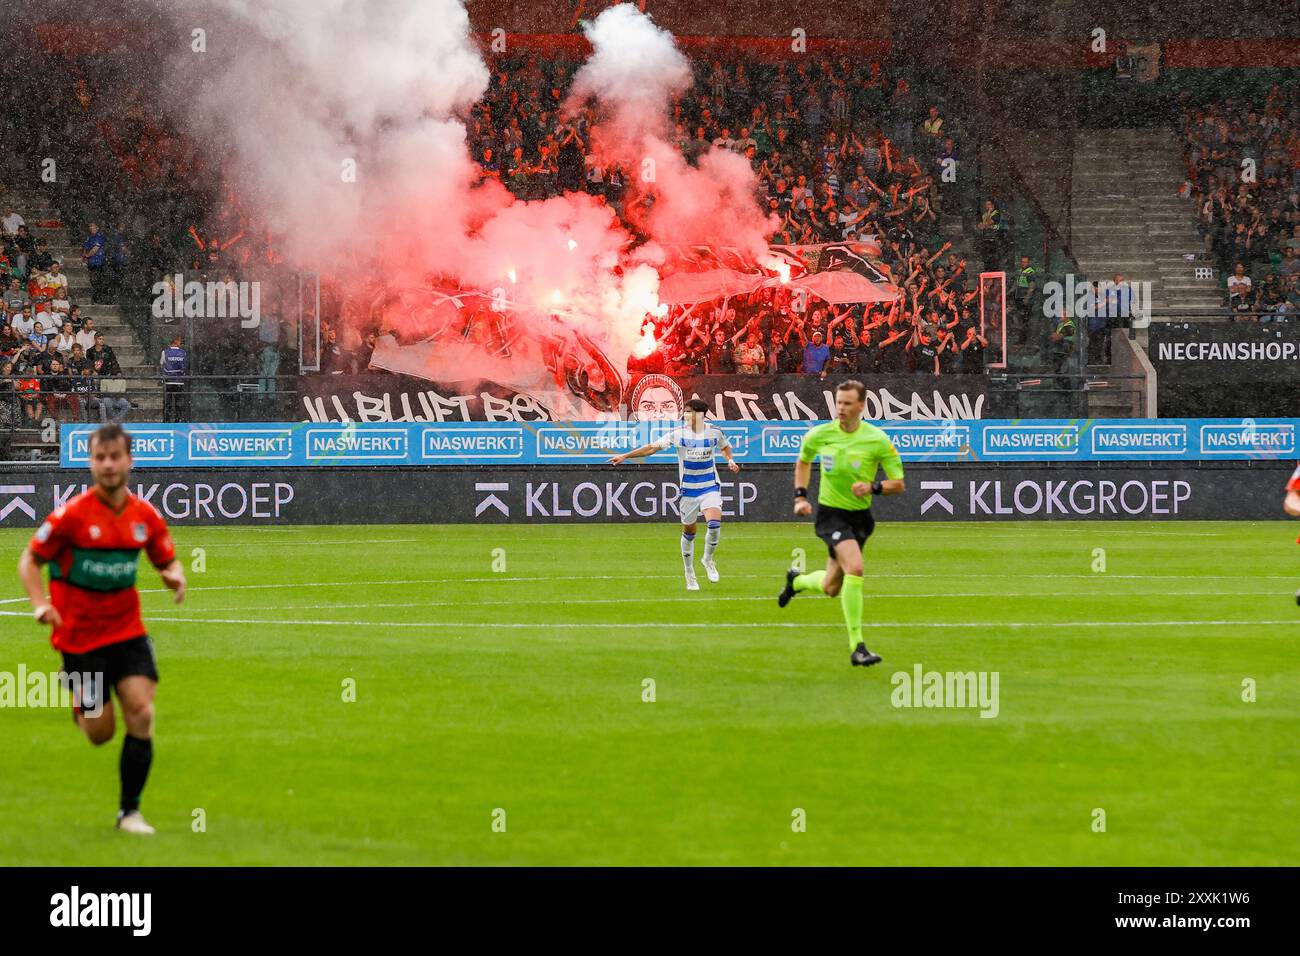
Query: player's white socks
[688, 550]
[711, 538]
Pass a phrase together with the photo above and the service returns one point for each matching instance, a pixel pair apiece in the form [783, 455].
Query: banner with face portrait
[809, 397]
[650, 397]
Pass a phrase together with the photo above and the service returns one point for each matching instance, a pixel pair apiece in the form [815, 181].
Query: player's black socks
[137, 756]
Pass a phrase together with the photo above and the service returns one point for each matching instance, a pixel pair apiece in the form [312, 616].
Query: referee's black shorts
[834, 525]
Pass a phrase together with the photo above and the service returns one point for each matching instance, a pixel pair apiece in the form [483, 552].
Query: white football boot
[133, 822]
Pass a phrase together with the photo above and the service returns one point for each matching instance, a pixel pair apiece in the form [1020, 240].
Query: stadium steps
[26, 444]
[1127, 217]
[1110, 403]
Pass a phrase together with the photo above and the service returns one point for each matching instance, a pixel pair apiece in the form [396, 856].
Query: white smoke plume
[634, 72]
[304, 89]
[310, 90]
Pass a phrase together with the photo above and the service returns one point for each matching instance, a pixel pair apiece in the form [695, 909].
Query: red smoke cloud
[380, 85]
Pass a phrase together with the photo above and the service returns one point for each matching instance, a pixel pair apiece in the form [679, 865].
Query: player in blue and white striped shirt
[699, 491]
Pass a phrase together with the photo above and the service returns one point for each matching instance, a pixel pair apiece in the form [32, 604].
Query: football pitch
[553, 695]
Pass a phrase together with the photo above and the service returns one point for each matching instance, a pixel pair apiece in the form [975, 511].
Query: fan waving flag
[687, 288]
[860, 257]
[839, 287]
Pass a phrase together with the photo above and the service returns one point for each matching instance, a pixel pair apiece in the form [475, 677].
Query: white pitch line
[311, 544]
[719, 625]
[705, 597]
[501, 579]
[390, 582]
[1046, 526]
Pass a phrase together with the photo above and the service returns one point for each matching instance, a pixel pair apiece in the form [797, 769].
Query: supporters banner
[1238, 352]
[809, 397]
[553, 444]
[405, 398]
[979, 491]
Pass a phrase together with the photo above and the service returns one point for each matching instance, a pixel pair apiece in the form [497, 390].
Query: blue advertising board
[315, 445]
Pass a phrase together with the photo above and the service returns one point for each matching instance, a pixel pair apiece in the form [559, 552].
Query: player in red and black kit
[1292, 505]
[92, 545]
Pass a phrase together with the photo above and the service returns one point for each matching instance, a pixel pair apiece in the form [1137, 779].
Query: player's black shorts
[834, 525]
[112, 662]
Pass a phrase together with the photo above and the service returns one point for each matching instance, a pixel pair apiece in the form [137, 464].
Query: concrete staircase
[1127, 217]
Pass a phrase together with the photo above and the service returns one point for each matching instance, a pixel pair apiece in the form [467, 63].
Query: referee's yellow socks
[851, 602]
[812, 581]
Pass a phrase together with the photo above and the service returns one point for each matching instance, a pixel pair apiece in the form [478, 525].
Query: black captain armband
[800, 493]
[877, 486]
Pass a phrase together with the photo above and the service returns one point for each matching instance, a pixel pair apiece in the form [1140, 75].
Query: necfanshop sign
[952, 492]
[1237, 352]
[404, 398]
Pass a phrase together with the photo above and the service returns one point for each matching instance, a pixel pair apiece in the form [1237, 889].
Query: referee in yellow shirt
[850, 452]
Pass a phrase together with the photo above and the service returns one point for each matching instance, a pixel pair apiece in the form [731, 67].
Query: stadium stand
[843, 147]
[1249, 224]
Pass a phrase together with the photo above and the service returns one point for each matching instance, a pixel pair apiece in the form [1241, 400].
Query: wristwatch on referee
[801, 494]
[877, 486]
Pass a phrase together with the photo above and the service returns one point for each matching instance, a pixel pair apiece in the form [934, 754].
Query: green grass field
[522, 690]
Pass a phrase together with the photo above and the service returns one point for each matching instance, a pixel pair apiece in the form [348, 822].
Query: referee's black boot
[861, 657]
[787, 592]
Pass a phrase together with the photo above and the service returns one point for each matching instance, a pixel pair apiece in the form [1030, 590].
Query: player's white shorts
[691, 508]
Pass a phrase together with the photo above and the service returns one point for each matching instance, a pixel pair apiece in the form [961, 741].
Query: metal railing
[1222, 315]
[225, 398]
[1063, 394]
[152, 398]
[29, 416]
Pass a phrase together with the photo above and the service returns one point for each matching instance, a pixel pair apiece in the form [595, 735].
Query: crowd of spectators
[841, 150]
[53, 362]
[838, 148]
[932, 332]
[1243, 172]
[149, 198]
[840, 153]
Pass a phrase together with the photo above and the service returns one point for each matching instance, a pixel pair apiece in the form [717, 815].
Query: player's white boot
[711, 570]
[133, 822]
[691, 583]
